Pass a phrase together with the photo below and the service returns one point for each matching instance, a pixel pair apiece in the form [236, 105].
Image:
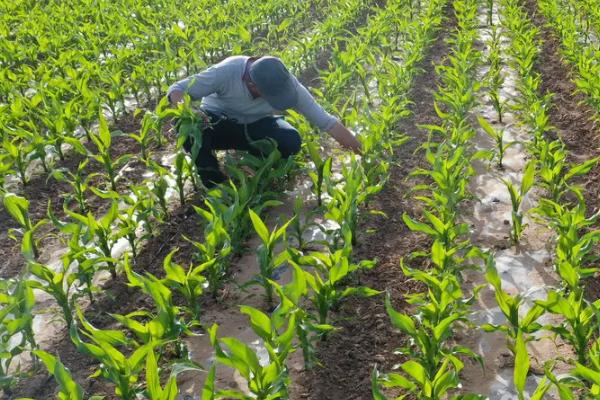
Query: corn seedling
[498, 137]
[308, 330]
[326, 281]
[16, 330]
[433, 367]
[57, 284]
[189, 122]
[216, 248]
[495, 79]
[18, 208]
[79, 184]
[322, 171]
[516, 198]
[98, 231]
[165, 324]
[268, 381]
[103, 141]
[303, 222]
[190, 283]
[268, 260]
[123, 371]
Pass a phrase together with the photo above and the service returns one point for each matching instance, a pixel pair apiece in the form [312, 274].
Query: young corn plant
[16, 328]
[303, 222]
[190, 284]
[327, 281]
[216, 249]
[165, 325]
[576, 238]
[57, 284]
[17, 153]
[102, 345]
[189, 123]
[516, 198]
[103, 141]
[98, 231]
[18, 208]
[345, 201]
[79, 182]
[495, 79]
[322, 171]
[579, 323]
[433, 368]
[498, 137]
[268, 260]
[149, 131]
[554, 172]
[308, 329]
[265, 382]
[519, 328]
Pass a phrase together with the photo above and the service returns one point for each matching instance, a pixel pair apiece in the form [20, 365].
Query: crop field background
[455, 258]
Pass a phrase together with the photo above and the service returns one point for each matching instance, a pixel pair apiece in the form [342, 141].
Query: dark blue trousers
[257, 138]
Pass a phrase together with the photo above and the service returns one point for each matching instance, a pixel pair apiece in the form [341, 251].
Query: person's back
[241, 95]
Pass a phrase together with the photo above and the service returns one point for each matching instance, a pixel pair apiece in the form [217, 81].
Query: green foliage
[268, 260]
[18, 208]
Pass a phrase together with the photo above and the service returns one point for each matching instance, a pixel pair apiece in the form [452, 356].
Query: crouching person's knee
[290, 144]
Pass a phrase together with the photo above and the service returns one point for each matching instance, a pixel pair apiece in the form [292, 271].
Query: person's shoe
[212, 178]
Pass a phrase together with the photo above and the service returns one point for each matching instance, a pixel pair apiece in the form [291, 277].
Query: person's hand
[345, 138]
[169, 129]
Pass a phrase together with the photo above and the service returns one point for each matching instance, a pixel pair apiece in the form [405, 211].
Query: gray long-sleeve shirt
[222, 90]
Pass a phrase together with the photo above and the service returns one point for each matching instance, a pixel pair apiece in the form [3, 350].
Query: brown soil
[572, 118]
[366, 338]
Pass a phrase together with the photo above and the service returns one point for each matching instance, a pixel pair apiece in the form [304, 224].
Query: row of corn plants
[567, 19]
[434, 360]
[562, 207]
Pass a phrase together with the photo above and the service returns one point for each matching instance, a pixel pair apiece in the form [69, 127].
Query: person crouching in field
[240, 96]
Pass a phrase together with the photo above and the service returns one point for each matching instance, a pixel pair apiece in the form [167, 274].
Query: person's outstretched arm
[345, 137]
[308, 107]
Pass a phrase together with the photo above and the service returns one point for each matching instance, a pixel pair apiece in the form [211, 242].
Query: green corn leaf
[416, 371]
[208, 390]
[377, 395]
[28, 246]
[67, 384]
[103, 140]
[259, 227]
[17, 207]
[487, 127]
[418, 226]
[400, 321]
[587, 373]
[260, 322]
[521, 363]
[528, 177]
[582, 169]
[443, 327]
[152, 378]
